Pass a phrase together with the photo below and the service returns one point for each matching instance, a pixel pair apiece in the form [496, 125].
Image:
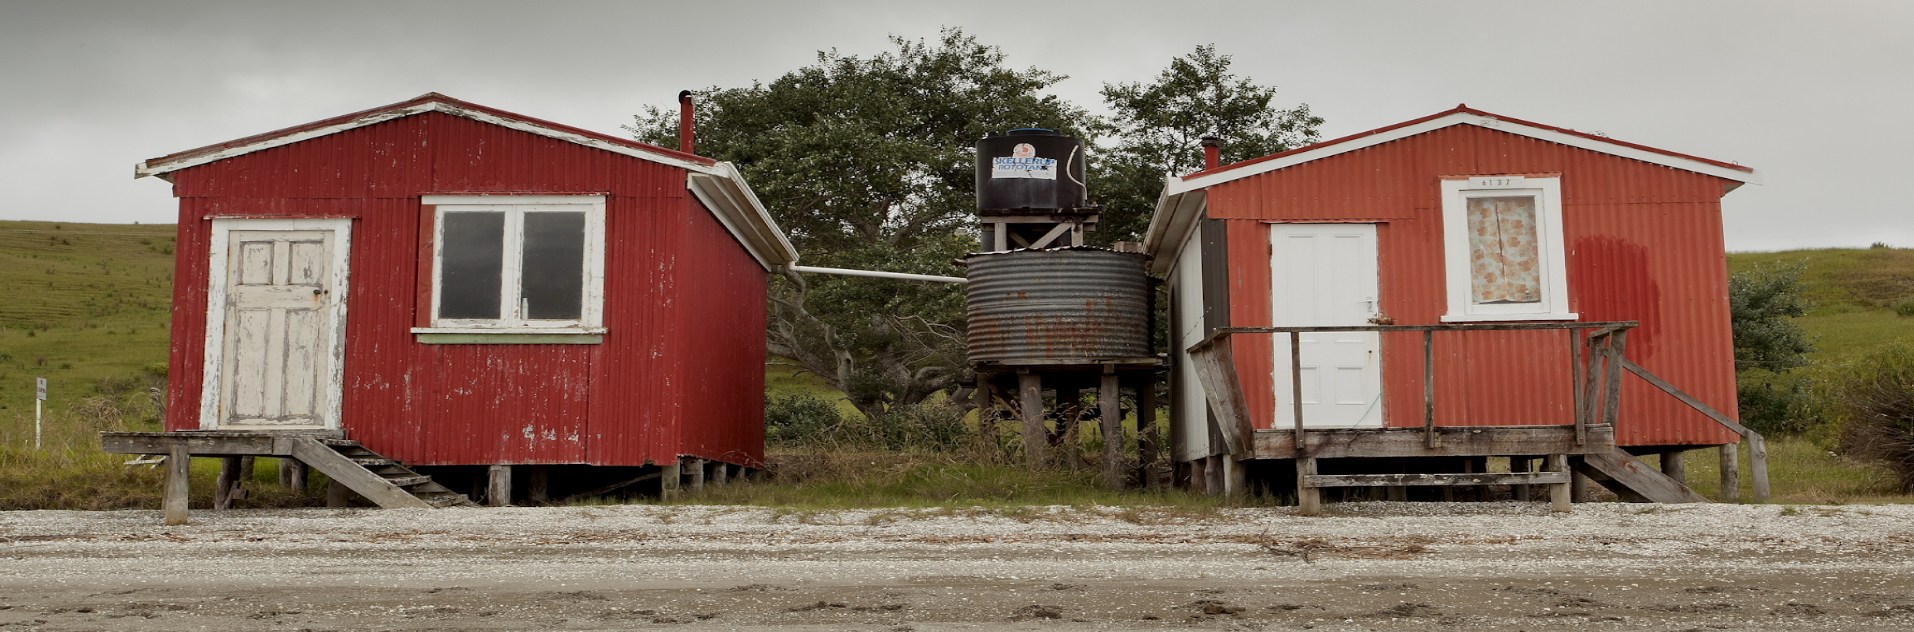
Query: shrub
[802, 419]
[1876, 398]
[1784, 406]
[1904, 308]
[926, 425]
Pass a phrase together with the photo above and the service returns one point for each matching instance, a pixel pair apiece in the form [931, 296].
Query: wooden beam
[668, 480]
[1730, 473]
[179, 471]
[1429, 389]
[209, 445]
[697, 466]
[1030, 405]
[1051, 236]
[1451, 480]
[1235, 478]
[336, 494]
[1218, 482]
[1758, 464]
[1452, 441]
[1674, 465]
[1215, 366]
[1109, 403]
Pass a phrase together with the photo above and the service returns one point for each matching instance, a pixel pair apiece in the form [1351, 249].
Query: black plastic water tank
[1030, 170]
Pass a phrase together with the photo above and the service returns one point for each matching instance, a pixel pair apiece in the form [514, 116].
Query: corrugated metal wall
[684, 302]
[1644, 243]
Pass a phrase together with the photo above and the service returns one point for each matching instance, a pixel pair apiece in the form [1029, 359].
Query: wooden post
[1674, 466]
[336, 494]
[1576, 368]
[696, 465]
[987, 411]
[1309, 500]
[179, 468]
[1559, 494]
[498, 488]
[285, 472]
[1758, 465]
[1109, 401]
[720, 474]
[537, 483]
[1146, 438]
[1199, 480]
[1730, 474]
[1035, 436]
[301, 476]
[1577, 487]
[1069, 409]
[246, 464]
[226, 484]
[1216, 479]
[668, 482]
[1428, 389]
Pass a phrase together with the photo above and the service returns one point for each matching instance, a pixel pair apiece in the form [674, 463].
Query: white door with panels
[1324, 275]
[275, 330]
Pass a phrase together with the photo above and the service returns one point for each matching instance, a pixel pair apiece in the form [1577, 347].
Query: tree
[867, 162]
[1159, 126]
[1762, 305]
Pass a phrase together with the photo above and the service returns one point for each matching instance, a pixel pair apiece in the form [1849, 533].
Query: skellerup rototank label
[1023, 163]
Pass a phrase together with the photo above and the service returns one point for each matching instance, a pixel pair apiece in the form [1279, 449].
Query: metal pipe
[687, 132]
[905, 276]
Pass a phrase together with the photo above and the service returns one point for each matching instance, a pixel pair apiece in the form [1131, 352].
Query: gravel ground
[1367, 566]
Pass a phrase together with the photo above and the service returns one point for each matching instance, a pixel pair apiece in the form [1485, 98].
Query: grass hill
[87, 306]
[1855, 292]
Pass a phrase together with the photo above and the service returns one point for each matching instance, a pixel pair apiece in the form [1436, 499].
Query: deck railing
[1596, 356]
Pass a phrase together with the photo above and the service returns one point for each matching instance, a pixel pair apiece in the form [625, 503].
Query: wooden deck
[1450, 441]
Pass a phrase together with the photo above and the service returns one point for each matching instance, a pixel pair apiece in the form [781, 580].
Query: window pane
[1504, 264]
[473, 257]
[554, 265]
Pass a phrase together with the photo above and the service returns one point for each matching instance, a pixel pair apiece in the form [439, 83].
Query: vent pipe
[1212, 152]
[687, 137]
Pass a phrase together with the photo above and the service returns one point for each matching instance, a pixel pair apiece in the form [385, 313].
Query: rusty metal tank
[1058, 306]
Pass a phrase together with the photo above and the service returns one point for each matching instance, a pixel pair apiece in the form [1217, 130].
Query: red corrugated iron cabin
[452, 284]
[1459, 218]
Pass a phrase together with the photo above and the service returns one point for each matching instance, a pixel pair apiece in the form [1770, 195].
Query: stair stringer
[1634, 480]
[357, 474]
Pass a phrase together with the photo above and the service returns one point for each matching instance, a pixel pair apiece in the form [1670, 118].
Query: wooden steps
[383, 481]
[1633, 480]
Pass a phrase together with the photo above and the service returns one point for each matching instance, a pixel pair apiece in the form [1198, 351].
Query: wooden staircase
[383, 481]
[1633, 480]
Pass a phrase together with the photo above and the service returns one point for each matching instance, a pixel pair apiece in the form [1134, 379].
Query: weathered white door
[1324, 275]
[277, 313]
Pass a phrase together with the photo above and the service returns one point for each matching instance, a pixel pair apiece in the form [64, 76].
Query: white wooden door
[1325, 275]
[280, 319]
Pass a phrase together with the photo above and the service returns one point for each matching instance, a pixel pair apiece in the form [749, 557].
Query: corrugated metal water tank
[1057, 306]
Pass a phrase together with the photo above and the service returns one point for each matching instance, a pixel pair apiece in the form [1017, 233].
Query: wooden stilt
[537, 483]
[1069, 409]
[179, 468]
[336, 494]
[1309, 500]
[498, 488]
[1674, 465]
[1109, 403]
[1146, 439]
[697, 467]
[301, 477]
[1214, 476]
[668, 482]
[1235, 478]
[1577, 487]
[720, 474]
[1520, 465]
[246, 465]
[285, 472]
[1758, 465]
[1198, 477]
[987, 411]
[1030, 403]
[1559, 495]
[228, 481]
[1730, 473]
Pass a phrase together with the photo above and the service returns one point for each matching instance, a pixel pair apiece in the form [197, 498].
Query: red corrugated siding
[676, 284]
[1644, 241]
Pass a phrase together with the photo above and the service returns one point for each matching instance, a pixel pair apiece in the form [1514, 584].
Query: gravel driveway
[1366, 566]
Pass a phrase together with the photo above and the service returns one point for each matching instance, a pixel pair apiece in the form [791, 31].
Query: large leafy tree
[867, 162]
[1159, 127]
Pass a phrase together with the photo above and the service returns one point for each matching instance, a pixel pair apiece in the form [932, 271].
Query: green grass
[1853, 292]
[1800, 471]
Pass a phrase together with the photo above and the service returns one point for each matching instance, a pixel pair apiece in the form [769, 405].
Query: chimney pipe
[1212, 152]
[687, 137]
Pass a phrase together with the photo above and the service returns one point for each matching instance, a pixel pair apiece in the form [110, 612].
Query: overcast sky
[1816, 95]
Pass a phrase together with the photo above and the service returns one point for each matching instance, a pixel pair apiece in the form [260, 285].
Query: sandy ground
[1368, 566]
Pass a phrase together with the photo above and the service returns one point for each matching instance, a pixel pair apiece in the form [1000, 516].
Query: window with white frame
[517, 263]
[1503, 250]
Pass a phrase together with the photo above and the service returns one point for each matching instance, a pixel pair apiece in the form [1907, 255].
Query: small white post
[40, 397]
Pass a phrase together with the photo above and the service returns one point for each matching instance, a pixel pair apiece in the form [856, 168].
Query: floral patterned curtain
[1504, 264]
